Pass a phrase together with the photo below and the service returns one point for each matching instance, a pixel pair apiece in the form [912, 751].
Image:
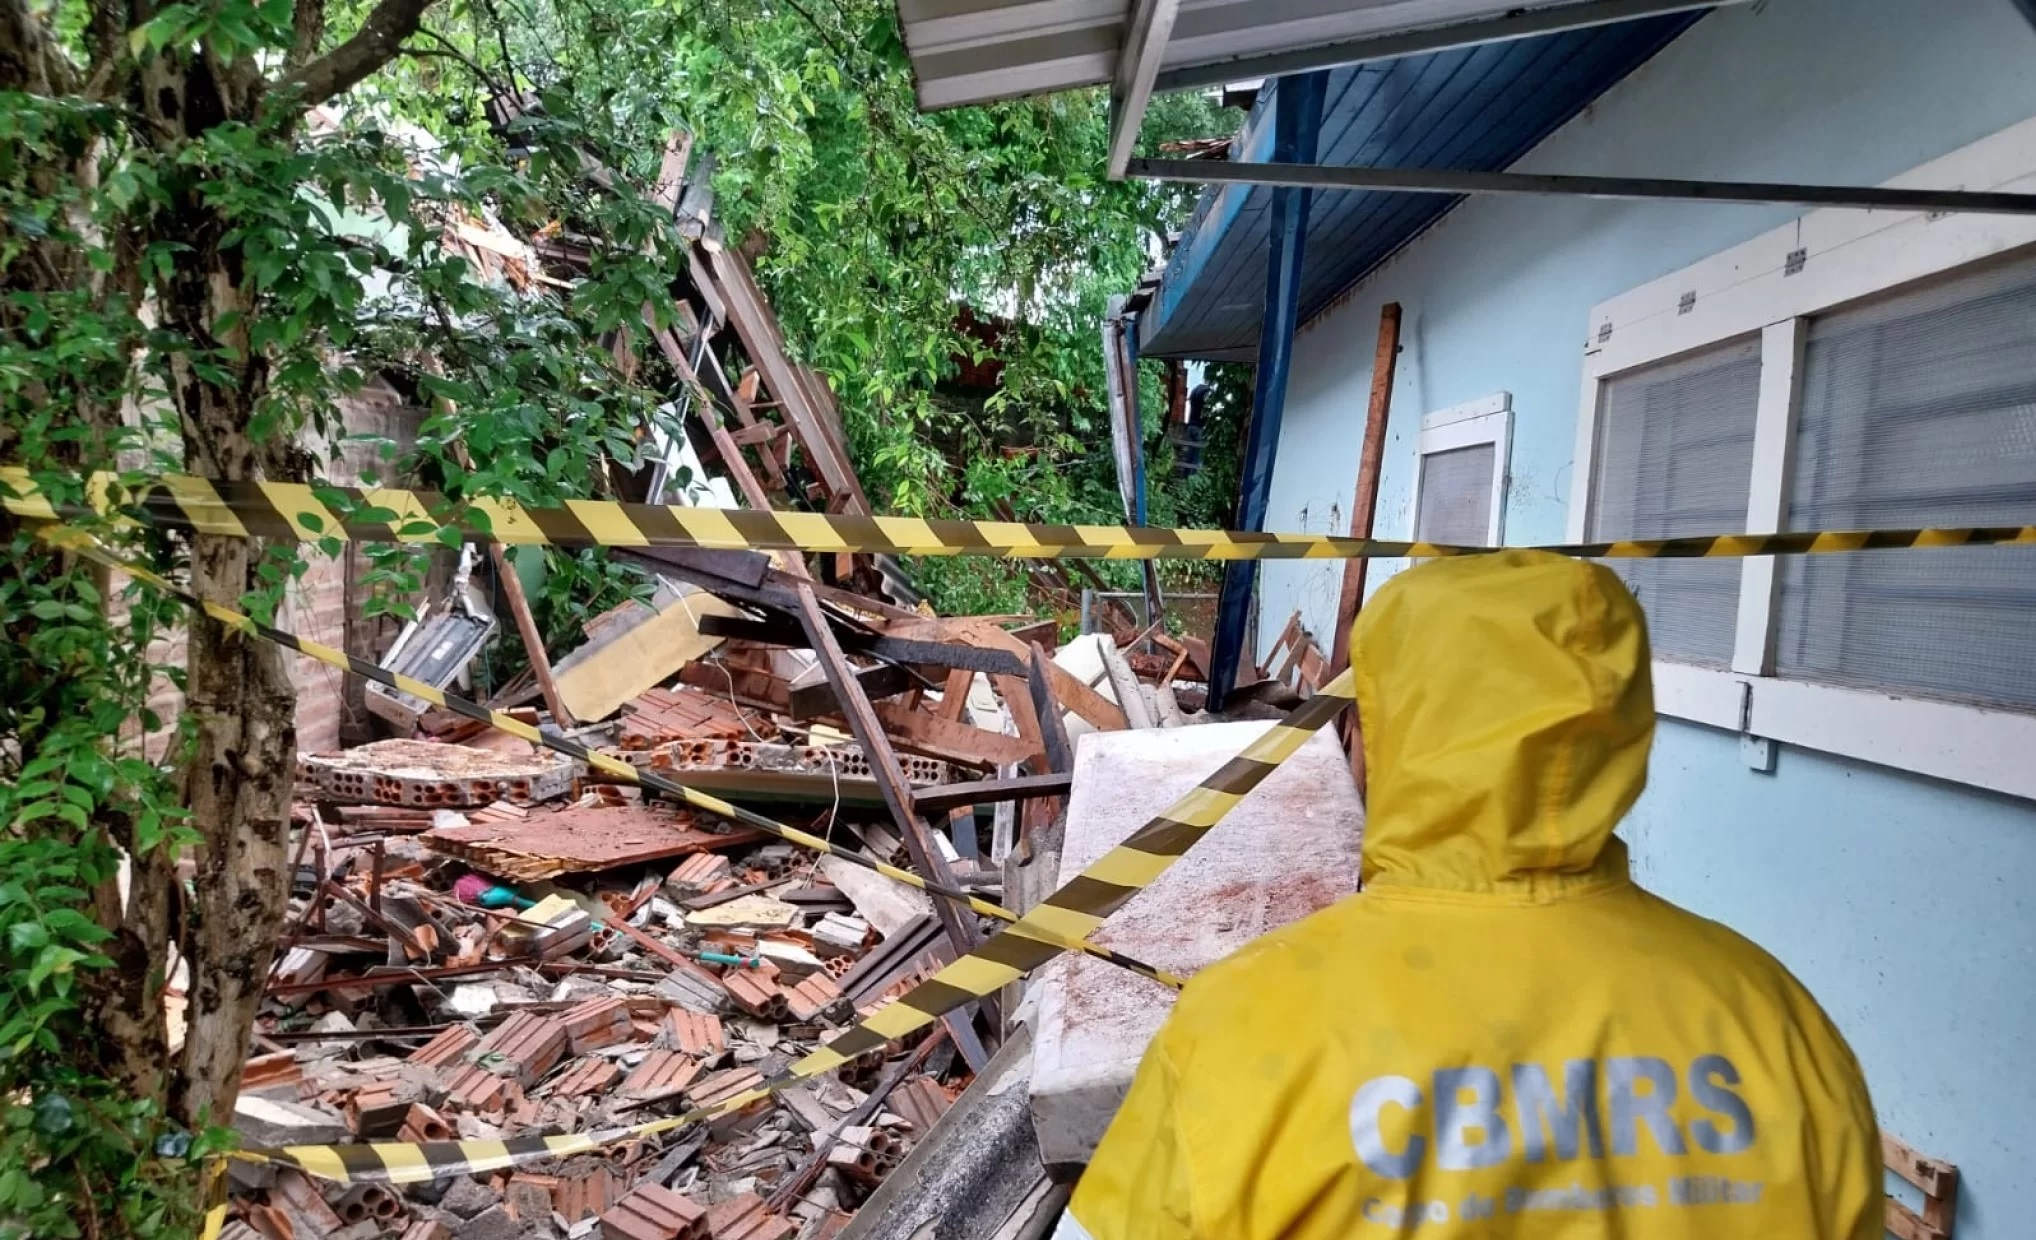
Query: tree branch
[30, 59]
[376, 43]
[446, 50]
[307, 21]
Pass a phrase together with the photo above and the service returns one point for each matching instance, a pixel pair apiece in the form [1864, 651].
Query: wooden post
[890, 777]
[1060, 755]
[533, 641]
[1364, 507]
[883, 760]
[526, 623]
[731, 455]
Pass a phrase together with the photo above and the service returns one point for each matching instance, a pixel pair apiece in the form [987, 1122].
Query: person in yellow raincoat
[1501, 1035]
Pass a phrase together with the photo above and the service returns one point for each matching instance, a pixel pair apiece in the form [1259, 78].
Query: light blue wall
[1908, 906]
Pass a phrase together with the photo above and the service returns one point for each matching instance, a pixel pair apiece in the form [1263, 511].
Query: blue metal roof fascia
[1214, 213]
[1191, 314]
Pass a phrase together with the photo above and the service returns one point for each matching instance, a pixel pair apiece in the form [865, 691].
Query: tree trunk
[242, 765]
[238, 788]
[127, 1000]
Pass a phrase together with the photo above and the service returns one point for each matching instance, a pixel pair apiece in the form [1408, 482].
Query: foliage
[202, 289]
[578, 583]
[72, 1141]
[224, 218]
[877, 225]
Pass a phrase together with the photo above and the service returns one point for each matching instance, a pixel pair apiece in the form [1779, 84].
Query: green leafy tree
[222, 216]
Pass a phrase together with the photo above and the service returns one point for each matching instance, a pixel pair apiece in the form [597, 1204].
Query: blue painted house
[1846, 763]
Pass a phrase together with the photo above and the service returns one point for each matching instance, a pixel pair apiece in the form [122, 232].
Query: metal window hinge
[1688, 302]
[1757, 752]
[1793, 265]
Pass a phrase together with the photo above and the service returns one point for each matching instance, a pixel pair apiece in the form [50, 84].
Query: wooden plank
[671, 172]
[1068, 690]
[779, 631]
[1017, 697]
[1060, 755]
[944, 797]
[959, 925]
[914, 731]
[753, 492]
[526, 626]
[1906, 1224]
[1300, 645]
[961, 828]
[954, 695]
[802, 405]
[1933, 1177]
[1044, 633]
[1365, 503]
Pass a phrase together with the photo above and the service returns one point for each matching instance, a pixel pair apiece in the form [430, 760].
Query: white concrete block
[1288, 849]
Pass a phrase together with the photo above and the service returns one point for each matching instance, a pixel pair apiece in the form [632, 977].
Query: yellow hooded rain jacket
[1501, 1036]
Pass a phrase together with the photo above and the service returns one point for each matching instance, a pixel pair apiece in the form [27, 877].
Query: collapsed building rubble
[491, 941]
[495, 942]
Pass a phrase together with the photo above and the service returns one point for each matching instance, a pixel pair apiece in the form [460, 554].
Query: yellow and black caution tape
[83, 544]
[301, 512]
[413, 1162]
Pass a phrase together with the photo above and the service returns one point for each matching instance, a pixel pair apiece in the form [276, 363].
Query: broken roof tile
[662, 1074]
[695, 1033]
[578, 839]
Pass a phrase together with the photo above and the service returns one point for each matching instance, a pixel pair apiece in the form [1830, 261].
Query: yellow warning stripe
[280, 511]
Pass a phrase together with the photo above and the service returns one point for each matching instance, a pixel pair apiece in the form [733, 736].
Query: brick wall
[319, 604]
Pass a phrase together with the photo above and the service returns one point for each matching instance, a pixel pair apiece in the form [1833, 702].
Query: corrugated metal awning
[979, 51]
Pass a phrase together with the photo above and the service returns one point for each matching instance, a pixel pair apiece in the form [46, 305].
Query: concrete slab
[1288, 849]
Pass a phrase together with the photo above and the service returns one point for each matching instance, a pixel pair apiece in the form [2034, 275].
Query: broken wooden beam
[913, 731]
[944, 797]
[876, 747]
[783, 631]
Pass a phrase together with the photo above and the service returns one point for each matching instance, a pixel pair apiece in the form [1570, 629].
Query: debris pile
[492, 941]
[558, 969]
[499, 942]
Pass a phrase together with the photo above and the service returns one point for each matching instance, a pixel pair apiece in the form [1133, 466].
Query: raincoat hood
[1507, 712]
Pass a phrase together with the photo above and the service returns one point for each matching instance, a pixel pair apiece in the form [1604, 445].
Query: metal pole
[1658, 189]
[1155, 602]
[1297, 118]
